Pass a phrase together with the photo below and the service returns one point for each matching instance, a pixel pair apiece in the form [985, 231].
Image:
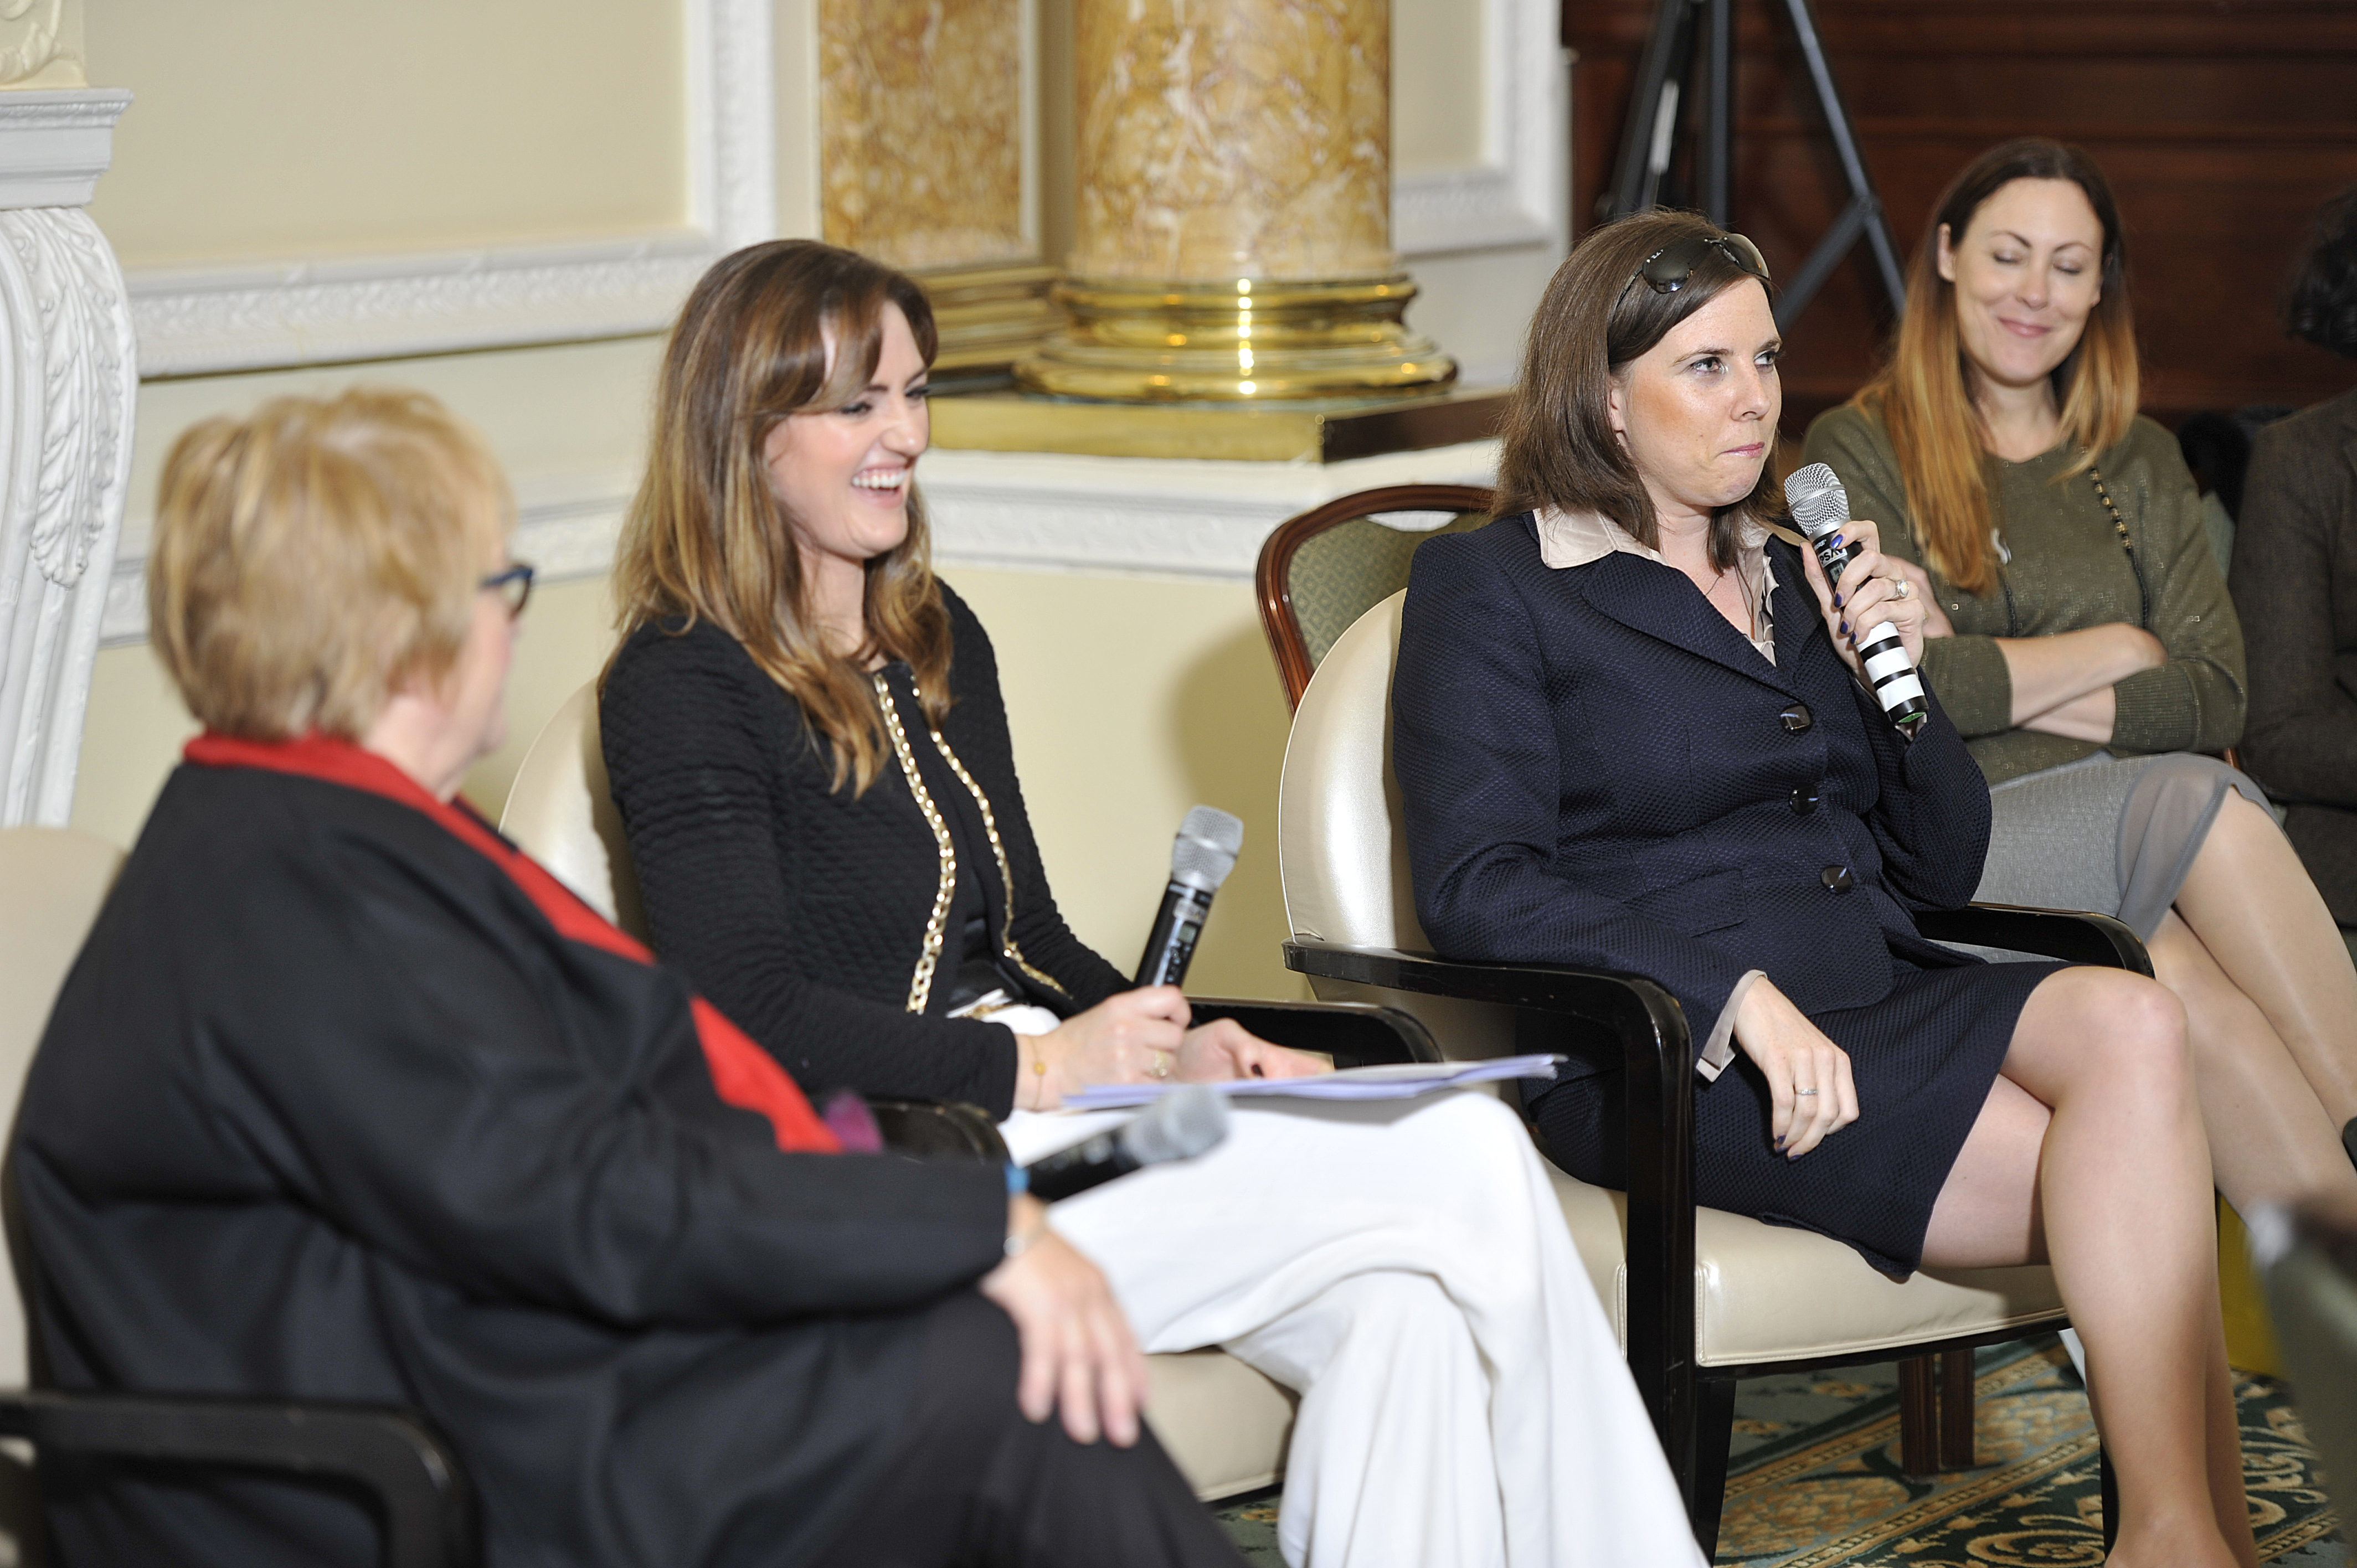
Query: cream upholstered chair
[1226, 1427]
[1698, 1297]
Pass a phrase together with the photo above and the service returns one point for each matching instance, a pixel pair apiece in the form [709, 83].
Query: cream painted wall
[282, 128]
[1436, 93]
[1132, 700]
[1476, 305]
[557, 410]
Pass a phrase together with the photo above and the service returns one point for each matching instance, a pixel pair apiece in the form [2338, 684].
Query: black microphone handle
[1081, 1167]
[1172, 946]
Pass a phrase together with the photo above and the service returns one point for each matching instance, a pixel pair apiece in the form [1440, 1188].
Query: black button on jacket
[1596, 770]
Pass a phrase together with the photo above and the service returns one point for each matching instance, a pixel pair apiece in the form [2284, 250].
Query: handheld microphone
[1821, 510]
[1183, 1124]
[1201, 860]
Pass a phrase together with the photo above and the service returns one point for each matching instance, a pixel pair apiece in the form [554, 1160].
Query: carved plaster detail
[67, 397]
[274, 314]
[39, 45]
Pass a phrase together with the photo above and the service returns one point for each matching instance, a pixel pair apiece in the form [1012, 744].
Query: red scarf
[744, 1074]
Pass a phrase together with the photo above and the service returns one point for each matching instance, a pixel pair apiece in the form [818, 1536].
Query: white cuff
[1719, 1049]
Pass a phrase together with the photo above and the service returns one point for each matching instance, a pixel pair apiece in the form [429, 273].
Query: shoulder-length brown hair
[1559, 449]
[707, 538]
[1924, 394]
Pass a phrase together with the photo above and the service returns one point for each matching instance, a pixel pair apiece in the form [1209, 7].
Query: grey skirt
[2114, 834]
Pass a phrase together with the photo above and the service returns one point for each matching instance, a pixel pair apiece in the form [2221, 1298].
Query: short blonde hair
[310, 559]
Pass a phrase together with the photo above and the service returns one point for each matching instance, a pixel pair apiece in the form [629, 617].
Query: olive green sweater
[2067, 571]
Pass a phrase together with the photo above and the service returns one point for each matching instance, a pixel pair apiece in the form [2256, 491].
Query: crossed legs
[2271, 1008]
[2090, 1151]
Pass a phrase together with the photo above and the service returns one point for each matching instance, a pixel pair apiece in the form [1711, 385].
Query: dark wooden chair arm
[939, 1130]
[2076, 935]
[1353, 1034]
[1609, 1020]
[429, 1512]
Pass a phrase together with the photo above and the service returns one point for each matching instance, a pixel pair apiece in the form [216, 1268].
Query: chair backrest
[1340, 849]
[52, 883]
[562, 811]
[1341, 846]
[1321, 570]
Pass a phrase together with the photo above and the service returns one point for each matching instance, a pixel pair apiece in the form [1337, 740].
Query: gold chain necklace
[929, 957]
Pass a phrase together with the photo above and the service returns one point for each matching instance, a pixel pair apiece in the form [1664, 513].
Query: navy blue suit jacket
[1596, 769]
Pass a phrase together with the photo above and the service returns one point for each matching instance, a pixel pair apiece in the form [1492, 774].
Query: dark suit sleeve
[692, 776]
[978, 726]
[402, 1065]
[2298, 499]
[1481, 787]
[1931, 818]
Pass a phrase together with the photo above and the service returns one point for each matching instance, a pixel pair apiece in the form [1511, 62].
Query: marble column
[1232, 232]
[68, 379]
[924, 140]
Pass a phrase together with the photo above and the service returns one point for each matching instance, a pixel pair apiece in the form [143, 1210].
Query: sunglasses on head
[1667, 269]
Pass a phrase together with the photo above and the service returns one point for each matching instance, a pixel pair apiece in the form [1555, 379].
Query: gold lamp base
[1250, 340]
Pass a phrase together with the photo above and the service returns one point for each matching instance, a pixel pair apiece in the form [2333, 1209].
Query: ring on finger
[1905, 589]
[1161, 1064]
[1805, 1092]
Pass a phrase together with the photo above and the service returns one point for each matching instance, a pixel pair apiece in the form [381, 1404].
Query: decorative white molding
[1021, 511]
[55, 143]
[1520, 194]
[270, 314]
[67, 400]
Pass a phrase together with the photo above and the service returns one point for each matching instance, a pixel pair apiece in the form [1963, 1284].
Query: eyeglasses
[512, 585]
[1667, 269]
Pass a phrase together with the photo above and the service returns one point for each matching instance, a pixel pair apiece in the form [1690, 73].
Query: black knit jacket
[800, 910]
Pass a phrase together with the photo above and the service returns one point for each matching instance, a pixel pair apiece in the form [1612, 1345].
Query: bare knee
[2111, 1029]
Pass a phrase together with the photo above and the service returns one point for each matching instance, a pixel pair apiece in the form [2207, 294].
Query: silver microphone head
[1819, 503]
[1206, 851]
[1183, 1124]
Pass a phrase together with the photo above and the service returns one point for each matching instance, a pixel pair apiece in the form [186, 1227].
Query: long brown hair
[707, 538]
[1559, 448]
[1923, 395]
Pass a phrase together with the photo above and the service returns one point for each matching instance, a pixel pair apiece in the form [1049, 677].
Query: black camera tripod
[1684, 29]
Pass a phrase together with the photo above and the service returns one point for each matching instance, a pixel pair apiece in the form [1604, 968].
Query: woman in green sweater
[2080, 635]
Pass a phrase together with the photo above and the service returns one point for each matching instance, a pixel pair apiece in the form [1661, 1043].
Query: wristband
[1019, 1181]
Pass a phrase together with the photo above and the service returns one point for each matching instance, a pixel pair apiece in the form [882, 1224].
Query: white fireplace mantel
[68, 381]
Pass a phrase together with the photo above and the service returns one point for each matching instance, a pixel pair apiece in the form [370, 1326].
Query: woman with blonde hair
[2078, 631]
[348, 1100]
[806, 738]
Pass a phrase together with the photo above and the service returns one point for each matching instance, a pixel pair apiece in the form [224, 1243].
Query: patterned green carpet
[1815, 1479]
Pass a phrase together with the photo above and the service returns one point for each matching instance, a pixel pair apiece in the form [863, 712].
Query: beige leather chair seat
[1225, 1425]
[1763, 1293]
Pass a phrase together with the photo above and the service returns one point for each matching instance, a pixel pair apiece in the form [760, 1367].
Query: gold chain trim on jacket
[920, 984]
[1005, 872]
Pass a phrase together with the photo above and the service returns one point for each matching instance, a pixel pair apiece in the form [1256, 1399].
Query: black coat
[2294, 584]
[801, 908]
[329, 1108]
[1596, 769]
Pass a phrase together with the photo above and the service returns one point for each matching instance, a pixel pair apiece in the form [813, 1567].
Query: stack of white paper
[1402, 1081]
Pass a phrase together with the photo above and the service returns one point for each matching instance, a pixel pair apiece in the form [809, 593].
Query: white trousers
[1404, 1265]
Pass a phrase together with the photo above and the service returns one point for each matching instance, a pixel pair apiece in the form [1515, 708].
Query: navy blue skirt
[1922, 1057]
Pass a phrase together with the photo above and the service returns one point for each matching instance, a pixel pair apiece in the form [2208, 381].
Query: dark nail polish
[1837, 603]
[1780, 1143]
[1837, 541]
[1845, 628]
